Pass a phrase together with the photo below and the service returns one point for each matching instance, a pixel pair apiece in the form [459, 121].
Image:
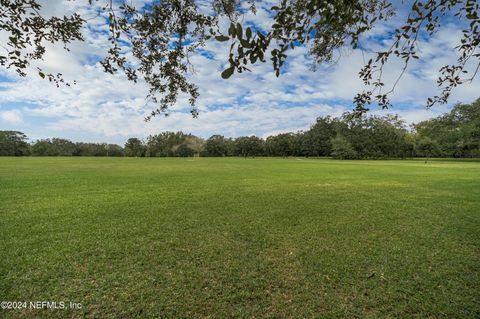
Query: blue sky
[108, 108]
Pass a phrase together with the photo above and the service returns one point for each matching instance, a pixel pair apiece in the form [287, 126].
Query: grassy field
[243, 238]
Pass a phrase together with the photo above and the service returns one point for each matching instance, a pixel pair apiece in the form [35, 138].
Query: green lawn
[243, 238]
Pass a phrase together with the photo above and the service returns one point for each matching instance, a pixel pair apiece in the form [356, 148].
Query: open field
[184, 238]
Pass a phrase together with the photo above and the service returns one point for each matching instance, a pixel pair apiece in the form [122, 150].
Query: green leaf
[239, 31]
[222, 38]
[42, 75]
[245, 43]
[248, 32]
[231, 30]
[228, 72]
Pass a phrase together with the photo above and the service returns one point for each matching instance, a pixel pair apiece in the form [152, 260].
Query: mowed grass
[243, 238]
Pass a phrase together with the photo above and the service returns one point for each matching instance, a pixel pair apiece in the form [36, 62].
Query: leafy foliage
[13, 143]
[280, 145]
[54, 147]
[454, 134]
[135, 147]
[64, 147]
[317, 140]
[377, 137]
[217, 145]
[174, 144]
[330, 25]
[98, 149]
[249, 146]
[342, 149]
[426, 147]
[424, 20]
[156, 41]
[21, 21]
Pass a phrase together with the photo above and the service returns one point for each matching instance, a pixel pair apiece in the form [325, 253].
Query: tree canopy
[13, 143]
[453, 134]
[155, 41]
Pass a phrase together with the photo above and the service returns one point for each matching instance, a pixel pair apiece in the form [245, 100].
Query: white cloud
[111, 107]
[13, 117]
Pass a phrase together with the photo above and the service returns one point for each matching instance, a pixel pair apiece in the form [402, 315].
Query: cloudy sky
[107, 108]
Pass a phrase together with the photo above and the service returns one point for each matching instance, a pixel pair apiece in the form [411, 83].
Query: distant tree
[426, 147]
[41, 148]
[280, 145]
[376, 136]
[134, 147]
[216, 145]
[165, 143]
[114, 150]
[388, 137]
[319, 136]
[13, 143]
[54, 147]
[196, 144]
[249, 146]
[231, 146]
[91, 149]
[63, 147]
[301, 144]
[457, 133]
[82, 149]
[342, 149]
[174, 144]
[183, 150]
[100, 149]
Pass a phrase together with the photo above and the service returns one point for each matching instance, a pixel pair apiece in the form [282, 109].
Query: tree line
[453, 134]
